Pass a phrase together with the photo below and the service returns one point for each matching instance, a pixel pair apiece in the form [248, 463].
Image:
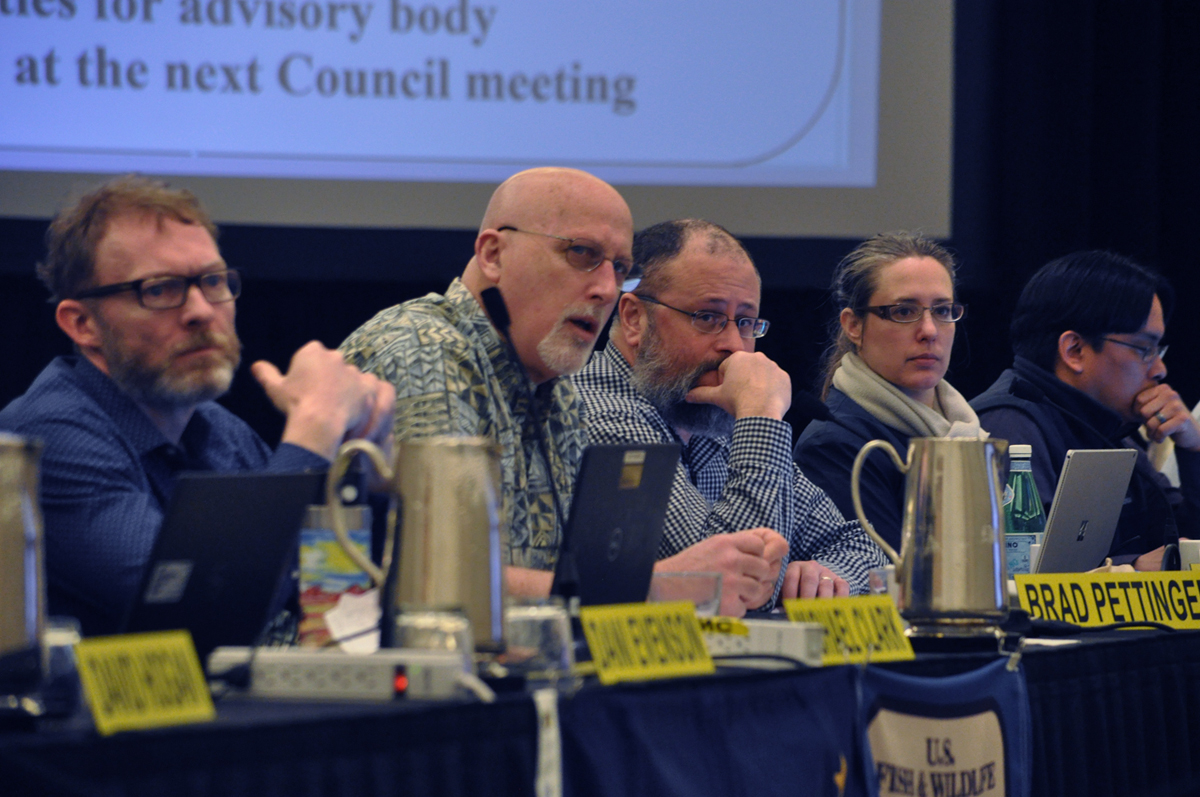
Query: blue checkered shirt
[729, 484]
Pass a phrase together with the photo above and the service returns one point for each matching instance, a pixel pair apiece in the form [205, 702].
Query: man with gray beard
[134, 407]
[555, 243]
[680, 366]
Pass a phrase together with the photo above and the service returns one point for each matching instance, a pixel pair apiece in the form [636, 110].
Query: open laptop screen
[1087, 505]
[616, 521]
[225, 546]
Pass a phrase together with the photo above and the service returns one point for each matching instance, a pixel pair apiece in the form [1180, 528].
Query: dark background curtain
[1075, 126]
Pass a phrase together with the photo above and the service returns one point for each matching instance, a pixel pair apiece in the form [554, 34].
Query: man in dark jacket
[1087, 334]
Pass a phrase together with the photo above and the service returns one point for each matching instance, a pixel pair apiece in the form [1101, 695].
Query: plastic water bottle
[1024, 514]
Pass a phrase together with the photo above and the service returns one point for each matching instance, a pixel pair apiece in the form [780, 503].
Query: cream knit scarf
[887, 403]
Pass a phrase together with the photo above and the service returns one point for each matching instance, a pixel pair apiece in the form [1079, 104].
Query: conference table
[1118, 714]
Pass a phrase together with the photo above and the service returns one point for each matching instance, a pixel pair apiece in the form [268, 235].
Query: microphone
[566, 577]
[1030, 392]
[493, 302]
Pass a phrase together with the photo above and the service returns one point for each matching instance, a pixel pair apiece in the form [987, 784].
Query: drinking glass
[701, 589]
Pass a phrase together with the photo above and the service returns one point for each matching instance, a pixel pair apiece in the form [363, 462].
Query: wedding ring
[826, 578]
[1161, 418]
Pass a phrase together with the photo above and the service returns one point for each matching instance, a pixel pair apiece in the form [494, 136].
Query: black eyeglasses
[911, 312]
[1148, 352]
[169, 292]
[584, 254]
[711, 322]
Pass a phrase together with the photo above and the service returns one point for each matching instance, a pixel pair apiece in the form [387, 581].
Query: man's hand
[1165, 415]
[813, 580]
[748, 562]
[775, 548]
[751, 386]
[1151, 561]
[327, 401]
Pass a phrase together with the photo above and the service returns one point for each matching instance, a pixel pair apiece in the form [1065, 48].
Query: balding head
[520, 250]
[546, 198]
[660, 246]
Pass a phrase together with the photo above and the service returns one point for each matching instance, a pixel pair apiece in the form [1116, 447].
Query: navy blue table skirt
[1113, 717]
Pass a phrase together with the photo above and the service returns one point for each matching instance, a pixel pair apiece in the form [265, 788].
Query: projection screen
[818, 118]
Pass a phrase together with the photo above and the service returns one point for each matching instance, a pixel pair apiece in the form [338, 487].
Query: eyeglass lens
[715, 322]
[1148, 353]
[711, 322]
[584, 254]
[164, 293]
[907, 313]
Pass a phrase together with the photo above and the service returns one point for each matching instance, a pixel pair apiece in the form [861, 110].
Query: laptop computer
[1087, 505]
[220, 560]
[616, 521]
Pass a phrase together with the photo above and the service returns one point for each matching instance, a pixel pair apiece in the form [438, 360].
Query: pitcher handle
[334, 501]
[856, 497]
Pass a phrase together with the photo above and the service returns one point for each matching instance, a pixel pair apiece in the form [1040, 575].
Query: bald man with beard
[557, 244]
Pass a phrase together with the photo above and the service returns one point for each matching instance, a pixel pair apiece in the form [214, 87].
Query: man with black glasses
[680, 366]
[141, 289]
[1087, 334]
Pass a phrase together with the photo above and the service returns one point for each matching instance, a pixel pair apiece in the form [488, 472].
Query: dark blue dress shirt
[106, 478]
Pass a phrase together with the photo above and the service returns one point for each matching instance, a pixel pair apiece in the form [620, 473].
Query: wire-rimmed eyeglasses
[710, 322]
[1148, 353]
[584, 254]
[911, 312]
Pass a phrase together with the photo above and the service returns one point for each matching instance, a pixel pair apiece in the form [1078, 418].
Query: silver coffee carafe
[22, 590]
[445, 552]
[950, 569]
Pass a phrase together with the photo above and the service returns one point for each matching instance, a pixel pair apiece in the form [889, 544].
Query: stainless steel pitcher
[448, 545]
[950, 568]
[22, 589]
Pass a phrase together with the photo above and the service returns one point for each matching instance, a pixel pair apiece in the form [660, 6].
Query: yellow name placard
[1091, 599]
[137, 681]
[857, 630]
[723, 625]
[643, 641]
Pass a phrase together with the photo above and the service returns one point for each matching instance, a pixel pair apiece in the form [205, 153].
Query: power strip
[389, 674]
[727, 636]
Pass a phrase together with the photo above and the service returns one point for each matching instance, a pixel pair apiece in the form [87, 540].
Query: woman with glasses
[884, 371]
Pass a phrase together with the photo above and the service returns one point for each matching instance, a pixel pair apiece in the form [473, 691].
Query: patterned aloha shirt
[454, 376]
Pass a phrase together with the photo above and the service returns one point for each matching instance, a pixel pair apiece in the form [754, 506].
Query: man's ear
[631, 315]
[852, 325]
[1071, 351]
[78, 321]
[487, 254]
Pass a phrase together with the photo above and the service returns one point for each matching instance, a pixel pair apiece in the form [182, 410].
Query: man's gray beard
[655, 376]
[562, 352]
[161, 389]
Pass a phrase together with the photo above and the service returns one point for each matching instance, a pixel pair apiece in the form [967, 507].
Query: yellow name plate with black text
[137, 681]
[857, 630]
[644, 641]
[1093, 599]
[724, 625]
